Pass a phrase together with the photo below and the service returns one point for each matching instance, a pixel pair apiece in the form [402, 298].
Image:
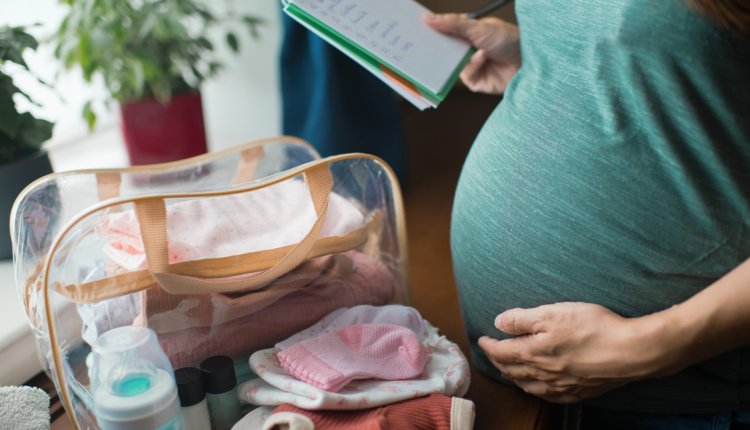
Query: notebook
[390, 39]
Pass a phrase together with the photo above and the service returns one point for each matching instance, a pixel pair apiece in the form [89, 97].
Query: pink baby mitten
[360, 351]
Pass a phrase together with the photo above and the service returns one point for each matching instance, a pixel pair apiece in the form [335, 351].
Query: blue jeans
[334, 103]
[601, 419]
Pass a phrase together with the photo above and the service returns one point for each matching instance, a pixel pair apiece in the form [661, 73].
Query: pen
[486, 9]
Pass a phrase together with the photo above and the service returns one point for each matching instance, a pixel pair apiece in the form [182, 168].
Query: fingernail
[430, 17]
[499, 321]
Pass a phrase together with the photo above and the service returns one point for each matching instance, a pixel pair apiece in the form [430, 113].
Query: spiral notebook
[390, 39]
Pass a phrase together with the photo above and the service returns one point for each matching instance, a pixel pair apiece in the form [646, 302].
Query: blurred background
[240, 104]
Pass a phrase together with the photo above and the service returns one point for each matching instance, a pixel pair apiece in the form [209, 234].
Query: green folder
[342, 22]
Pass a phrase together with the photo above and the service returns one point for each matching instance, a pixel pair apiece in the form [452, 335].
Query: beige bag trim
[48, 311]
[108, 183]
[133, 282]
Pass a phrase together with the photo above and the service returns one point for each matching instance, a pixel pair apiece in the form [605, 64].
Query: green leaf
[232, 41]
[18, 131]
[140, 79]
[64, 24]
[84, 56]
[214, 67]
[89, 115]
[147, 26]
[197, 73]
[24, 40]
[33, 131]
[253, 20]
[8, 149]
[204, 43]
[13, 54]
[162, 91]
[13, 41]
[253, 23]
[10, 120]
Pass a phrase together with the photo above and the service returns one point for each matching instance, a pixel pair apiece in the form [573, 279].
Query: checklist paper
[391, 40]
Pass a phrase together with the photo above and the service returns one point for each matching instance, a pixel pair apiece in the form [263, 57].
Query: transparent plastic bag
[222, 254]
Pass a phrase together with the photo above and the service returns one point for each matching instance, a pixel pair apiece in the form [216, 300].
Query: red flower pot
[156, 133]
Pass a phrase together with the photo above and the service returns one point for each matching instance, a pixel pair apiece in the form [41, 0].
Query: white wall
[242, 103]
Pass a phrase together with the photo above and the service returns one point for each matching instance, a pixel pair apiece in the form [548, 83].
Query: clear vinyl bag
[222, 254]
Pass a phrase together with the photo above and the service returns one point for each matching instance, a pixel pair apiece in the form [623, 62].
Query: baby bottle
[133, 385]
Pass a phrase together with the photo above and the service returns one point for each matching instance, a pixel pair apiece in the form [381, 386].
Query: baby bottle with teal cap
[133, 385]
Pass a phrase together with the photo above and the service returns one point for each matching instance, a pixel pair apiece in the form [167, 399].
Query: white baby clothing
[446, 372]
[267, 218]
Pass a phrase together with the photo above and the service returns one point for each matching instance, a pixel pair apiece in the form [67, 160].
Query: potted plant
[152, 56]
[22, 159]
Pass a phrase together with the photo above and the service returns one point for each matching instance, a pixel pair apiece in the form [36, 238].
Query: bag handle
[108, 183]
[152, 218]
[251, 262]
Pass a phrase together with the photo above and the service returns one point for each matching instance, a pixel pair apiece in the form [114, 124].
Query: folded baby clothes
[165, 312]
[433, 412]
[267, 218]
[364, 314]
[446, 372]
[360, 351]
[369, 281]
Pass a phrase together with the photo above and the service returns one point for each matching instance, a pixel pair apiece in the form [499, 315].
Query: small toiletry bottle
[220, 384]
[192, 399]
[133, 387]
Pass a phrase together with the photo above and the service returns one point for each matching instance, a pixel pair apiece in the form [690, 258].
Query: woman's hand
[498, 55]
[568, 352]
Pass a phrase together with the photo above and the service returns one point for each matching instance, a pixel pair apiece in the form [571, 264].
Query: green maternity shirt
[615, 171]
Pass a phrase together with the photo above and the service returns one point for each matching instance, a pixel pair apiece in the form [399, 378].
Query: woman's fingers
[498, 56]
[521, 321]
[566, 393]
[509, 351]
[472, 73]
[549, 393]
[521, 372]
[480, 33]
[451, 23]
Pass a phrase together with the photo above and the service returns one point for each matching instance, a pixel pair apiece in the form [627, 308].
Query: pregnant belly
[527, 232]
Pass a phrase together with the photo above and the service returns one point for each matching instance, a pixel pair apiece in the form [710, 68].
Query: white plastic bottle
[133, 385]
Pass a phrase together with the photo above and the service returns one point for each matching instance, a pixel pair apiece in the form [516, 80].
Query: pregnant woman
[601, 227]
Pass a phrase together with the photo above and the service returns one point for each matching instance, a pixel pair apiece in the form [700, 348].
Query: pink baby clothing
[222, 226]
[360, 351]
[433, 412]
[167, 313]
[366, 280]
[446, 372]
[364, 314]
